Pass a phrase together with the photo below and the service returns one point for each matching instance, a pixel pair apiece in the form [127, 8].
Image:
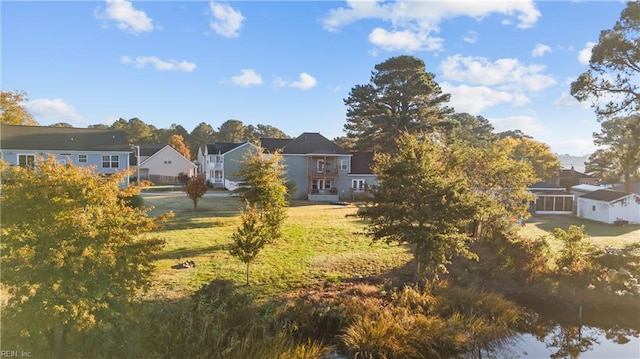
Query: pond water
[575, 342]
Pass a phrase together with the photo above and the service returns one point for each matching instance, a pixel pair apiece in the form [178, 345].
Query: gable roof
[271, 145]
[312, 143]
[223, 147]
[545, 186]
[167, 148]
[572, 173]
[62, 139]
[361, 163]
[607, 195]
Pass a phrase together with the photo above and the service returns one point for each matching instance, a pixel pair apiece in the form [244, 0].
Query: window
[357, 185]
[344, 164]
[167, 161]
[320, 166]
[593, 208]
[27, 161]
[82, 158]
[110, 161]
[321, 184]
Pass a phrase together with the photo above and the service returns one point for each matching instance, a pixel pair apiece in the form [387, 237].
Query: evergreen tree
[401, 97]
[423, 201]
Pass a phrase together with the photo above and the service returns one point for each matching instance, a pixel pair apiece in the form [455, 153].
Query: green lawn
[600, 234]
[321, 243]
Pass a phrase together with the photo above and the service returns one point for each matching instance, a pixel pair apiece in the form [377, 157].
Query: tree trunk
[247, 273]
[416, 275]
[58, 340]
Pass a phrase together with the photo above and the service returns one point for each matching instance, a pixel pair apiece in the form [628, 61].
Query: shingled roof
[42, 138]
[312, 143]
[271, 145]
[222, 147]
[606, 195]
[361, 163]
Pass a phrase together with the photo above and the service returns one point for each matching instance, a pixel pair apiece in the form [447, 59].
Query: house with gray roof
[361, 176]
[610, 206]
[105, 150]
[317, 165]
[161, 164]
[220, 162]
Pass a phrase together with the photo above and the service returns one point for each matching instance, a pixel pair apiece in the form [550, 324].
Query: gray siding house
[107, 151]
[220, 162]
[318, 166]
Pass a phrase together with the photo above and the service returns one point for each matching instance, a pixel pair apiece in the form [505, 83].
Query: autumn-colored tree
[250, 237]
[12, 110]
[538, 155]
[74, 256]
[195, 188]
[177, 142]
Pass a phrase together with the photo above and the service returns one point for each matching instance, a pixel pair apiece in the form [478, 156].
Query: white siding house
[609, 206]
[162, 164]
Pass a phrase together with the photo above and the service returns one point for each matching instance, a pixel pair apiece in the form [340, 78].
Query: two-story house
[107, 151]
[220, 162]
[316, 164]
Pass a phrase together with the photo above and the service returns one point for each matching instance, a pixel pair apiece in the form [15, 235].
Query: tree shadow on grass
[191, 252]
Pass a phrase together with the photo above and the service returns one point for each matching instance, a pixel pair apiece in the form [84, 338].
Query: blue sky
[290, 64]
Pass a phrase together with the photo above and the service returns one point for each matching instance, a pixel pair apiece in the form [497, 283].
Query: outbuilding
[610, 206]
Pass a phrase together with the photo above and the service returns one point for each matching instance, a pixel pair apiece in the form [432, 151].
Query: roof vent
[71, 139]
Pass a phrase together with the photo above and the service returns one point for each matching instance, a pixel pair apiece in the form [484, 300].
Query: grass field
[600, 234]
[321, 243]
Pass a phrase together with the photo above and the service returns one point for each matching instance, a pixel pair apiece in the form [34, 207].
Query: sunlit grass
[600, 234]
[321, 242]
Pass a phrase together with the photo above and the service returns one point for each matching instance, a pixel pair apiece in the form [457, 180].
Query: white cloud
[585, 54]
[160, 65]
[576, 147]
[423, 18]
[126, 17]
[226, 21]
[474, 100]
[247, 78]
[527, 124]
[404, 40]
[505, 74]
[53, 110]
[540, 50]
[470, 37]
[566, 100]
[305, 82]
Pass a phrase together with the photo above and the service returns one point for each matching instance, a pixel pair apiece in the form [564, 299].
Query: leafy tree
[195, 188]
[619, 160]
[202, 134]
[267, 131]
[611, 82]
[499, 182]
[177, 142]
[401, 97]
[344, 142]
[545, 163]
[263, 186]
[62, 124]
[250, 238]
[74, 256]
[231, 131]
[12, 111]
[137, 131]
[475, 130]
[422, 200]
[573, 255]
[517, 134]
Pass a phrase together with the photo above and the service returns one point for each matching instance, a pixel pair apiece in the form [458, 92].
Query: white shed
[609, 206]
